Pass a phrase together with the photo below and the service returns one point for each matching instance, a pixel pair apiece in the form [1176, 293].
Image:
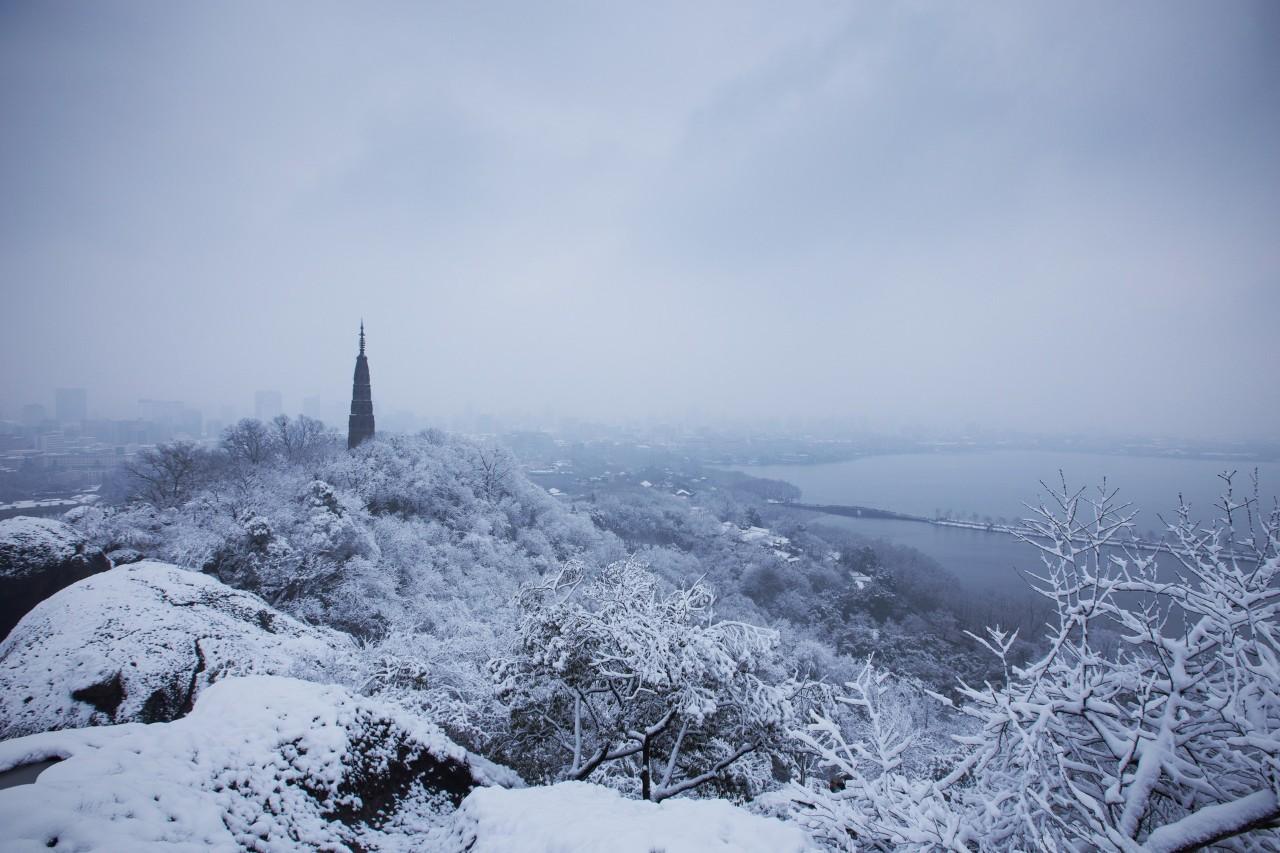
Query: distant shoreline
[1017, 531]
[1177, 454]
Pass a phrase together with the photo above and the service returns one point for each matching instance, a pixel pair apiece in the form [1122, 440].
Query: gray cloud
[1019, 214]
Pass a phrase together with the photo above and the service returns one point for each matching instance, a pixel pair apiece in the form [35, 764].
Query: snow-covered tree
[614, 674]
[1168, 740]
[301, 439]
[167, 475]
[249, 442]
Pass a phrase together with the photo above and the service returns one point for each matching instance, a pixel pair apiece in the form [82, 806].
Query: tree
[493, 467]
[610, 671]
[249, 441]
[167, 475]
[301, 439]
[1165, 741]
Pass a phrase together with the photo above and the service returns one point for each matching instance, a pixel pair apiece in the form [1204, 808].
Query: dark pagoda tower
[360, 424]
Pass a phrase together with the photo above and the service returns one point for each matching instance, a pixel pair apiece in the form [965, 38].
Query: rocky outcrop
[38, 557]
[140, 643]
[261, 763]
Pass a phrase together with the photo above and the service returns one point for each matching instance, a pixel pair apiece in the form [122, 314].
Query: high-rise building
[190, 423]
[313, 407]
[267, 404]
[165, 412]
[360, 423]
[52, 442]
[71, 405]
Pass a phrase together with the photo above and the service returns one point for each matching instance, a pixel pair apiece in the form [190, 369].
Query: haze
[1020, 215]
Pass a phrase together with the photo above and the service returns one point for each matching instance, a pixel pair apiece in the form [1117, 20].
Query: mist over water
[1001, 484]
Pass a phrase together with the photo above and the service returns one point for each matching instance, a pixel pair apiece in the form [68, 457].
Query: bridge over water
[858, 511]
[1016, 530]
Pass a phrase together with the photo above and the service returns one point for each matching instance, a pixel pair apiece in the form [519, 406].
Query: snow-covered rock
[139, 643]
[125, 556]
[262, 763]
[38, 557]
[577, 817]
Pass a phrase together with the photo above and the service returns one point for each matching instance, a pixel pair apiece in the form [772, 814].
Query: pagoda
[360, 424]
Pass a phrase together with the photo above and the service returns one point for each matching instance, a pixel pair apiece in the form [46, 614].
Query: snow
[167, 632]
[276, 764]
[262, 763]
[762, 536]
[1211, 822]
[578, 817]
[28, 544]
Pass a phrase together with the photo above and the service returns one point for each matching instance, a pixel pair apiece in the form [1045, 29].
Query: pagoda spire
[360, 423]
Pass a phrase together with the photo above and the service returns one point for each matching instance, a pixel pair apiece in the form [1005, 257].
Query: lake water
[997, 484]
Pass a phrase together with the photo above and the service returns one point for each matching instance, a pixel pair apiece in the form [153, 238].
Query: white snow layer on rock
[578, 817]
[262, 763]
[27, 544]
[139, 643]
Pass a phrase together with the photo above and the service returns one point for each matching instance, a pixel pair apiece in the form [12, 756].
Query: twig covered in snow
[1168, 741]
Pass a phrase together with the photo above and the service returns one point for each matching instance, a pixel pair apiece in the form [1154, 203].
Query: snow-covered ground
[577, 817]
[276, 764]
[262, 763]
[139, 643]
[764, 537]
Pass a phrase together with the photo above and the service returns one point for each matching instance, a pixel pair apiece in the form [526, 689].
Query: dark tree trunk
[644, 769]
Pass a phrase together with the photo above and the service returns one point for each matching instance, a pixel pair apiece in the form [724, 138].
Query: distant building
[51, 507]
[52, 442]
[33, 414]
[71, 405]
[267, 404]
[166, 413]
[360, 423]
[190, 423]
[313, 407]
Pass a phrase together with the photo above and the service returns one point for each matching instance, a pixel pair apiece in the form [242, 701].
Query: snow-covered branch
[645, 677]
[1164, 740]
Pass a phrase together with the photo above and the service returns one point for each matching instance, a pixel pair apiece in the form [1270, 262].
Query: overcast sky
[1046, 217]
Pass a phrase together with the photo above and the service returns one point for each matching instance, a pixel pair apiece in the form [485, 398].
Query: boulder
[261, 763]
[38, 557]
[139, 643]
[125, 556]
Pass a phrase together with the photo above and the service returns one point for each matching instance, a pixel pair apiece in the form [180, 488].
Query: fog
[1017, 215]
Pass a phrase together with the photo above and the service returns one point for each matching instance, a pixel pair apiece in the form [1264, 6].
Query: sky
[1049, 217]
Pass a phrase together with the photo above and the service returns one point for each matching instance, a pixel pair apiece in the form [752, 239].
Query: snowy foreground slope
[275, 764]
[262, 763]
[139, 643]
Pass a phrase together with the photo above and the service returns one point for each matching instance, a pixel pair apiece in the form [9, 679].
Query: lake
[997, 484]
